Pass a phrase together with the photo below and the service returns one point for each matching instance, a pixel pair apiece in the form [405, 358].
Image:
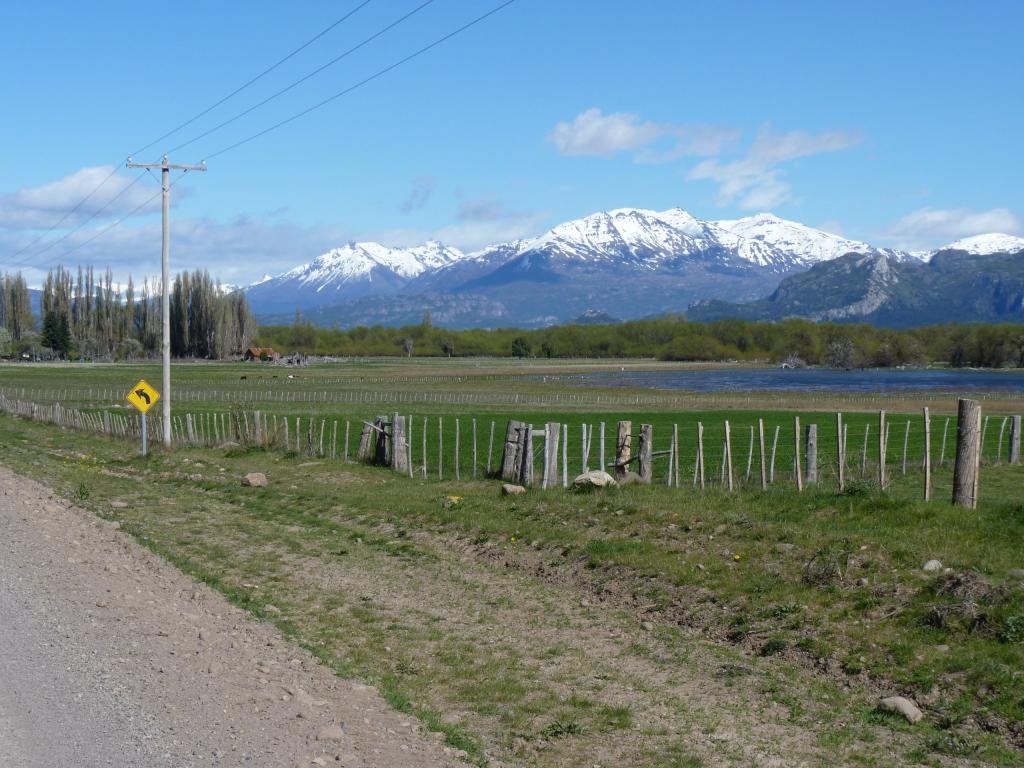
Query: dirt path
[110, 656]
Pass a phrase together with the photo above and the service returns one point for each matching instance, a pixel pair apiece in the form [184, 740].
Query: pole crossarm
[163, 164]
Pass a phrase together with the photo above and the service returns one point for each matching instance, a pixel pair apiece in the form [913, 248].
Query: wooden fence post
[623, 447]
[750, 455]
[812, 454]
[345, 457]
[883, 432]
[728, 455]
[775, 445]
[700, 455]
[840, 445]
[968, 453]
[584, 453]
[565, 455]
[796, 455]
[999, 446]
[511, 455]
[552, 431]
[526, 469]
[604, 466]
[645, 457]
[423, 438]
[474, 449]
[1015, 440]
[440, 447]
[906, 439]
[927, 456]
[399, 448]
[675, 455]
[760, 441]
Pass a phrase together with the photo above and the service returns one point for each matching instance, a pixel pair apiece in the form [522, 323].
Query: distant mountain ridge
[963, 284]
[625, 263]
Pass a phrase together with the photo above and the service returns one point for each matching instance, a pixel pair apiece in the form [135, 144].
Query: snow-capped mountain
[350, 272]
[806, 245]
[986, 245]
[628, 262]
[648, 239]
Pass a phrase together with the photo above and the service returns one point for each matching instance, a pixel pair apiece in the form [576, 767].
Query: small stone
[647, 626]
[863, 581]
[933, 565]
[254, 480]
[119, 505]
[898, 705]
[510, 489]
[331, 733]
[273, 609]
[784, 547]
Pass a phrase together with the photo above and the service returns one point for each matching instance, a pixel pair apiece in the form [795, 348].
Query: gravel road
[111, 657]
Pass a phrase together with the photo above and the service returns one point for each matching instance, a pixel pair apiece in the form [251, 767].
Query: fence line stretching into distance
[805, 456]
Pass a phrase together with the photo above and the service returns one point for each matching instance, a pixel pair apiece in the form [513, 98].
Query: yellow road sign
[142, 396]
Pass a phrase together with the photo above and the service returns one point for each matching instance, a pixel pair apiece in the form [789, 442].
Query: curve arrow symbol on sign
[143, 394]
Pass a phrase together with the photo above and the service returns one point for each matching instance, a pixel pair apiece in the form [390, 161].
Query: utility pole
[165, 268]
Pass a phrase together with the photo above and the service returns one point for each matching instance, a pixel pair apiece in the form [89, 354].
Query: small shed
[259, 353]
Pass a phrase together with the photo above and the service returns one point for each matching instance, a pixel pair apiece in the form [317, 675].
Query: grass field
[648, 626]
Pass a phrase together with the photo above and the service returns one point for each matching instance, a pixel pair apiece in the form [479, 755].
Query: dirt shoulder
[112, 656]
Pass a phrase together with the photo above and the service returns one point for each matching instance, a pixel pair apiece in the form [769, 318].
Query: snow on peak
[806, 244]
[354, 261]
[984, 245]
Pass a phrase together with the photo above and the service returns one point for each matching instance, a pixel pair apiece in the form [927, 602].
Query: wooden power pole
[165, 271]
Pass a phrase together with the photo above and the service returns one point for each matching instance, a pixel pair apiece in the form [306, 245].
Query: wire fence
[732, 452]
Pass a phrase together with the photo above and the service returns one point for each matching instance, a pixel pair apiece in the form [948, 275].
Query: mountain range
[963, 282]
[626, 263]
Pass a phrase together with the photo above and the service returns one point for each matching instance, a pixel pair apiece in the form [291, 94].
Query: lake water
[807, 379]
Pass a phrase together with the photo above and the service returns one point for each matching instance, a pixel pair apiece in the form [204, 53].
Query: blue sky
[896, 123]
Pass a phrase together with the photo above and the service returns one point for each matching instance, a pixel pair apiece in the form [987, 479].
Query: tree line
[794, 342]
[89, 316]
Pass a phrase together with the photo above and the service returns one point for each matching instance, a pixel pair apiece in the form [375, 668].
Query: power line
[112, 225]
[363, 82]
[77, 227]
[188, 122]
[303, 79]
[260, 76]
[65, 217]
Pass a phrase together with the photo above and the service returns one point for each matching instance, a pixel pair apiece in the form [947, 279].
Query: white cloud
[755, 182]
[929, 228]
[45, 205]
[596, 134]
[237, 251]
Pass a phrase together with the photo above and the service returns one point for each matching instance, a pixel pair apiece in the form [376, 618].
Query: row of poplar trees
[88, 316]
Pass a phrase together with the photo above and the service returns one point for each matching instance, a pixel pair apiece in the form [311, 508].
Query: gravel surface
[111, 657]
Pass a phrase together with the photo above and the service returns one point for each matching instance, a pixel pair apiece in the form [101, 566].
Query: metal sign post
[143, 397]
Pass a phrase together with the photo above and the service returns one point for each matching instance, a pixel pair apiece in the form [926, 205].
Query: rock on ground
[933, 565]
[595, 478]
[255, 480]
[510, 489]
[898, 705]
